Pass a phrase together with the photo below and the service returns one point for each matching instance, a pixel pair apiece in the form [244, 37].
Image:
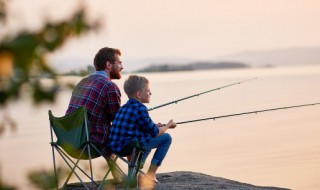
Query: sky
[178, 30]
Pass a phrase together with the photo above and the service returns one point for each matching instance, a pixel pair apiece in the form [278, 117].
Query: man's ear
[108, 65]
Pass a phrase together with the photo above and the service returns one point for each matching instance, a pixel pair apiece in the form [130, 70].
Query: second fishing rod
[247, 113]
[198, 94]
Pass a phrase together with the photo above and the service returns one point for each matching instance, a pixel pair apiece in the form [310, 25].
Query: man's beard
[115, 74]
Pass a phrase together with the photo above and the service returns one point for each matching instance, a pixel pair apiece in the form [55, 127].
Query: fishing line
[246, 113]
[195, 95]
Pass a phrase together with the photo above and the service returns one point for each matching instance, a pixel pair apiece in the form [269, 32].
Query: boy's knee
[167, 137]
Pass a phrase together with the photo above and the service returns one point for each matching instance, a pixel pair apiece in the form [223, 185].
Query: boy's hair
[105, 54]
[133, 84]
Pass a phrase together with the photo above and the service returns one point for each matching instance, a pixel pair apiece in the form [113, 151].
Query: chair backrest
[72, 132]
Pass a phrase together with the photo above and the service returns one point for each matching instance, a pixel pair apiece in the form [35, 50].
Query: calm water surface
[280, 148]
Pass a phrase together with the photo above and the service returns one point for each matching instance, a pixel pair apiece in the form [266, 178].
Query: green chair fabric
[128, 149]
[72, 132]
[72, 135]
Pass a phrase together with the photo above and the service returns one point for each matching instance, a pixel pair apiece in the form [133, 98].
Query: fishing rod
[246, 113]
[185, 98]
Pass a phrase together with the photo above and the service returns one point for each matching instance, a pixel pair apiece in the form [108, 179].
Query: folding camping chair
[73, 144]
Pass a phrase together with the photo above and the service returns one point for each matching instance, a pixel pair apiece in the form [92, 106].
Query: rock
[191, 180]
[184, 180]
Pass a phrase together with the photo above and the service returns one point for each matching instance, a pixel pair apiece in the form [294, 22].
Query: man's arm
[113, 102]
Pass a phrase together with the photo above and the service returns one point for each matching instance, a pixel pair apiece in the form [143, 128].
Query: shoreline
[187, 180]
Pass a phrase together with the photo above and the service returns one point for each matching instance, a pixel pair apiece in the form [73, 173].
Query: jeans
[162, 144]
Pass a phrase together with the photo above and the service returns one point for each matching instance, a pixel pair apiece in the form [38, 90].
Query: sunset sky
[181, 29]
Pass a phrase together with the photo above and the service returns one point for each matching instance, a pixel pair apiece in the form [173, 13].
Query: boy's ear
[138, 94]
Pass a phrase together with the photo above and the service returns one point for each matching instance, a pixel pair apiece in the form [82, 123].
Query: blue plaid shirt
[131, 122]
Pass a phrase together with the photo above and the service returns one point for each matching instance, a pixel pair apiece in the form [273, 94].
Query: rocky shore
[184, 180]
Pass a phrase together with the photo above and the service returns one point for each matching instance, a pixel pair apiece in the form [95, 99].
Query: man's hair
[133, 84]
[105, 54]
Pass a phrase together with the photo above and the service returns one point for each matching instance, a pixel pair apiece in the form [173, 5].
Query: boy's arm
[171, 124]
[150, 127]
[146, 124]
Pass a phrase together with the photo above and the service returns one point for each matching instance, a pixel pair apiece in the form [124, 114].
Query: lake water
[279, 148]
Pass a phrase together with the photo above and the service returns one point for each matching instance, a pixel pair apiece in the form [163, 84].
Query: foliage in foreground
[43, 179]
[23, 63]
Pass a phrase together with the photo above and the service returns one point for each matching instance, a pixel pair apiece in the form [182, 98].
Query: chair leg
[54, 166]
[112, 167]
[91, 173]
[102, 181]
[137, 163]
[138, 170]
[72, 170]
[75, 164]
[131, 169]
[134, 167]
[128, 163]
[99, 186]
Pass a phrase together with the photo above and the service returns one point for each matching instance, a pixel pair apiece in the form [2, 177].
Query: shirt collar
[132, 100]
[103, 73]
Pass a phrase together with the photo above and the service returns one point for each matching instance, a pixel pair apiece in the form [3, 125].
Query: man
[100, 96]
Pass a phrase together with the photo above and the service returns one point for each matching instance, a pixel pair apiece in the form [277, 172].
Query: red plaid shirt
[102, 99]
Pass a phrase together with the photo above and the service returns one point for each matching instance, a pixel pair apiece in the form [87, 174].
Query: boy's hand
[171, 124]
[161, 125]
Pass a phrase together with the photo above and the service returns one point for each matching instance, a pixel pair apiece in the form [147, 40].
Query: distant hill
[261, 58]
[166, 67]
[276, 57]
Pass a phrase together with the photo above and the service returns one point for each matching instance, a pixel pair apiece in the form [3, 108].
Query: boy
[132, 122]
